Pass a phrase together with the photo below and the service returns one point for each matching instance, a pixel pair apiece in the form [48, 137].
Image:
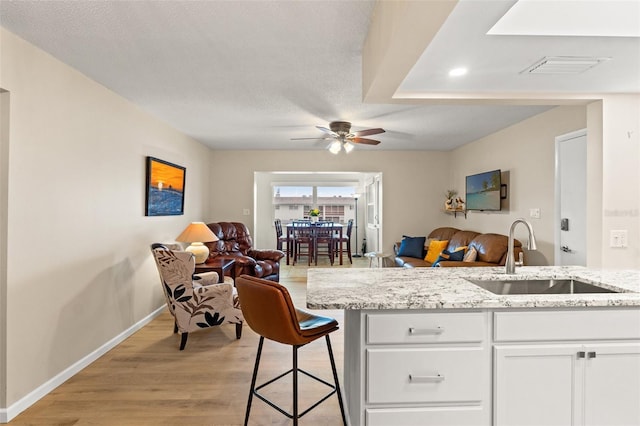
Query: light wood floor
[146, 380]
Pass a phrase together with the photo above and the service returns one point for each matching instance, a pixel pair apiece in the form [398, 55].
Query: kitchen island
[427, 346]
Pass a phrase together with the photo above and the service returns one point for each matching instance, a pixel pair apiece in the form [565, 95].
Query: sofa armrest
[273, 255]
[205, 278]
[245, 261]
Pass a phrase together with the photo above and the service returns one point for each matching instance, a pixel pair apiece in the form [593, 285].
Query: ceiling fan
[344, 139]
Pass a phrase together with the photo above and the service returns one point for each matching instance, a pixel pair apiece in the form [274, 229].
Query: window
[336, 203]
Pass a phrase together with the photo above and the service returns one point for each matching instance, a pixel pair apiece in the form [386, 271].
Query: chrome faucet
[511, 261]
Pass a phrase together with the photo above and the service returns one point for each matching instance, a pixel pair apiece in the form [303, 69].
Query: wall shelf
[455, 212]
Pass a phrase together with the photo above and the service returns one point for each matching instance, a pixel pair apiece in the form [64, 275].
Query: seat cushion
[313, 325]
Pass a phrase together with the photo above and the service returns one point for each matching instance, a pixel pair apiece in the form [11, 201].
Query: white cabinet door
[535, 385]
[612, 385]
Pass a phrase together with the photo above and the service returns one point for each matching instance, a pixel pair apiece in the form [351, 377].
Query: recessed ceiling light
[457, 72]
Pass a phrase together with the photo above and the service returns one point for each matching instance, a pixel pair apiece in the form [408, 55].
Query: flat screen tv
[483, 191]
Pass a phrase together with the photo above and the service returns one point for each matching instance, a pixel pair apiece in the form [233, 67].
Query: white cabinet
[502, 367]
[589, 382]
[418, 368]
[611, 393]
[534, 385]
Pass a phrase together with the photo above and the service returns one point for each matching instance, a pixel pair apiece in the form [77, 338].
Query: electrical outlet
[534, 213]
[618, 238]
[246, 212]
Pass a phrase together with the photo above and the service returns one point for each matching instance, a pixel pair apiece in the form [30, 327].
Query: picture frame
[165, 183]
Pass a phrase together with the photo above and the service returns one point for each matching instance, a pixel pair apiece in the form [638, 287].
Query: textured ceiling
[250, 74]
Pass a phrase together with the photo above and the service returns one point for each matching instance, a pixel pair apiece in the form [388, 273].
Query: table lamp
[196, 234]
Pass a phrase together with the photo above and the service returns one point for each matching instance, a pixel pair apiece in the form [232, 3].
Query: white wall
[412, 181]
[525, 152]
[79, 270]
[621, 178]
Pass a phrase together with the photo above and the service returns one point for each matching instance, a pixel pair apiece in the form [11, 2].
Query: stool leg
[295, 385]
[335, 378]
[253, 381]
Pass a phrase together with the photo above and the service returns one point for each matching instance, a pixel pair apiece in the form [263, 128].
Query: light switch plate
[246, 212]
[618, 238]
[534, 213]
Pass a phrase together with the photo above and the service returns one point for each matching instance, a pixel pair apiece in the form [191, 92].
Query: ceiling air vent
[563, 65]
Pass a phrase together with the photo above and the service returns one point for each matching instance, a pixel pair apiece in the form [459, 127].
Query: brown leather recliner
[234, 242]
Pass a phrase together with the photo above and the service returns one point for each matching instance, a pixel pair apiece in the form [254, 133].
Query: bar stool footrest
[289, 415]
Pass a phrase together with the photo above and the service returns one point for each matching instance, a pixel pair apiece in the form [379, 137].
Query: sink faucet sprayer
[511, 261]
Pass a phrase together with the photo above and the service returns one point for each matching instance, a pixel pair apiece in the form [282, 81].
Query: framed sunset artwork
[165, 188]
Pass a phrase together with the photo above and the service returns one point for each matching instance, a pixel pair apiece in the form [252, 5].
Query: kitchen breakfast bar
[449, 346]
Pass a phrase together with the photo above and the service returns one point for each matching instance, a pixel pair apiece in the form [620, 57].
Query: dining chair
[346, 239]
[303, 240]
[324, 239]
[270, 312]
[280, 237]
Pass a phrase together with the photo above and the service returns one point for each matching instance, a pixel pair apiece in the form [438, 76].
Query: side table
[219, 265]
[379, 256]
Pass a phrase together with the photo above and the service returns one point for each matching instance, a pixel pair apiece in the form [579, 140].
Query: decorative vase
[314, 219]
[448, 205]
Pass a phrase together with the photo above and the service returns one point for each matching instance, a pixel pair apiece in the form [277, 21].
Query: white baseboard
[7, 414]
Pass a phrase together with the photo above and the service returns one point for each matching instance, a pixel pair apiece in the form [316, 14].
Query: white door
[571, 199]
[373, 213]
[612, 385]
[535, 385]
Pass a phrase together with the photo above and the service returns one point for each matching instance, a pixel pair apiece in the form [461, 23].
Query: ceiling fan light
[334, 148]
[348, 147]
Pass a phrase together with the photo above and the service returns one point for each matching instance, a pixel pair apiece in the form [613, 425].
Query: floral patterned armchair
[195, 301]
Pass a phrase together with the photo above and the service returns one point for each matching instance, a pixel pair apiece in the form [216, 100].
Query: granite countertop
[447, 288]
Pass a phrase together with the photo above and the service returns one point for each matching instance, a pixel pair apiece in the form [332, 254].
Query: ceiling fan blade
[368, 132]
[365, 141]
[328, 131]
[305, 139]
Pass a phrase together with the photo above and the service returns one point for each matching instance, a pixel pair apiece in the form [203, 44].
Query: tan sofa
[491, 248]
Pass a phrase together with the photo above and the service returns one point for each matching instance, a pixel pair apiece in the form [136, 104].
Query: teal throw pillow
[412, 247]
[447, 255]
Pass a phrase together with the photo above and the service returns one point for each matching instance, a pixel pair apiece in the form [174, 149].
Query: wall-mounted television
[483, 191]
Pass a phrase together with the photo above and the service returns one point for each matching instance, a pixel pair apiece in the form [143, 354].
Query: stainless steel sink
[547, 286]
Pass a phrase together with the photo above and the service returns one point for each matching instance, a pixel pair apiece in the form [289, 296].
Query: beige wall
[413, 183]
[621, 178]
[79, 271]
[525, 152]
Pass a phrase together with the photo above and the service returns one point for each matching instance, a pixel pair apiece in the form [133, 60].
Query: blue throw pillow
[412, 247]
[456, 256]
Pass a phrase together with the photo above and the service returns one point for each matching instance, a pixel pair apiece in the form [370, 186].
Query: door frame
[557, 212]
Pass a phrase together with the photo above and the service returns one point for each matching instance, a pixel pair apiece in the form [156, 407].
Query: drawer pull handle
[426, 379]
[437, 330]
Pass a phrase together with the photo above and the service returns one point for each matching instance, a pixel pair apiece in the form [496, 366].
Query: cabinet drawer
[454, 416]
[426, 328]
[426, 375]
[567, 325]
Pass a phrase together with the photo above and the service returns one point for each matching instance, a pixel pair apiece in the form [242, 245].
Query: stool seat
[269, 311]
[315, 326]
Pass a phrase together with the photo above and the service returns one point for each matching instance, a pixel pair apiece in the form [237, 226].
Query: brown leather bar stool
[269, 311]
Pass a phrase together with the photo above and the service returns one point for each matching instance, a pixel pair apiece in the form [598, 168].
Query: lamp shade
[197, 232]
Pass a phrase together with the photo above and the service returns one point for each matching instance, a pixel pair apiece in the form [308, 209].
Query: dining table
[337, 228]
